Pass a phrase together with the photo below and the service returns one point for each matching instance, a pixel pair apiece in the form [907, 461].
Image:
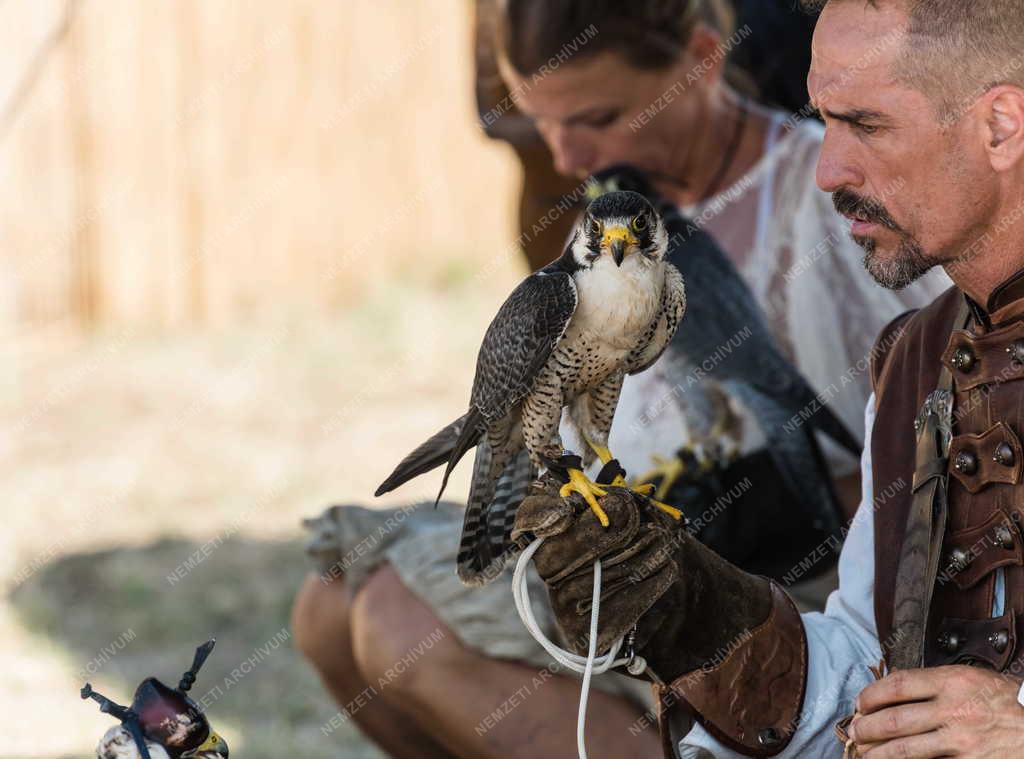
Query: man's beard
[908, 264]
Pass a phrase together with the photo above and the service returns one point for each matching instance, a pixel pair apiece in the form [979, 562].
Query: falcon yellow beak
[617, 238]
[213, 747]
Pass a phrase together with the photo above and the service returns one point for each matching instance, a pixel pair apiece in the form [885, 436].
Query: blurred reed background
[249, 250]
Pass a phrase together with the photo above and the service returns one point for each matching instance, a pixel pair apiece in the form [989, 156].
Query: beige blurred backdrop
[249, 251]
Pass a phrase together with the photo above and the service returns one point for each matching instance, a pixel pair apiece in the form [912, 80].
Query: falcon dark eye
[595, 227]
[639, 223]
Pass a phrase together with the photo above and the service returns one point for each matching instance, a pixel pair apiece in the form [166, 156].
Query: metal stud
[1004, 454]
[1016, 351]
[958, 559]
[966, 463]
[963, 359]
[1004, 537]
[999, 640]
[950, 642]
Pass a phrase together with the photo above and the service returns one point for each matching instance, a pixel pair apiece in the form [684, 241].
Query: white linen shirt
[842, 641]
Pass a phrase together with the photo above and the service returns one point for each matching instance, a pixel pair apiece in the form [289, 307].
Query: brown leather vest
[985, 495]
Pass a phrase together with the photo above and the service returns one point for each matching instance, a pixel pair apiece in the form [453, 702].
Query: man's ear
[1005, 122]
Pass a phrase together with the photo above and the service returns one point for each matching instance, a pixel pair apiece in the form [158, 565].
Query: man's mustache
[850, 203]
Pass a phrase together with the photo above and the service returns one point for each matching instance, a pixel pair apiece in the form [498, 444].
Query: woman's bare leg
[479, 707]
[322, 630]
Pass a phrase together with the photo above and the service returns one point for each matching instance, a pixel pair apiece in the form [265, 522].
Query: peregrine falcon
[565, 338]
[757, 374]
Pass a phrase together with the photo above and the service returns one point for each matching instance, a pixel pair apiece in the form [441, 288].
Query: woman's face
[600, 110]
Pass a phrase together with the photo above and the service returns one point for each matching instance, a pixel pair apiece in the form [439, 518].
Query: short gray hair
[956, 50]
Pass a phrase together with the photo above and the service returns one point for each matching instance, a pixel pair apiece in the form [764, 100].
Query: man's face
[587, 109]
[915, 192]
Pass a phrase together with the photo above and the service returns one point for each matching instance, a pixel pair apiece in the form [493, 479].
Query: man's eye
[867, 129]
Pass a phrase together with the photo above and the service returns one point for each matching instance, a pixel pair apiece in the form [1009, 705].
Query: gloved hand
[635, 552]
[688, 601]
[712, 634]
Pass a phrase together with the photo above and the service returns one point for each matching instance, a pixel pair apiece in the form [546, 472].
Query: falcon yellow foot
[580, 483]
[672, 511]
[605, 455]
[669, 470]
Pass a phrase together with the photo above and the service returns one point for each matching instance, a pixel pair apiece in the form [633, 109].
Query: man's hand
[956, 711]
[636, 552]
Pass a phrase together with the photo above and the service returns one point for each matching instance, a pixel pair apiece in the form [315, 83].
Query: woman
[605, 83]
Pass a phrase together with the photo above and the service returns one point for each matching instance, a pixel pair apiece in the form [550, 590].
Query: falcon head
[620, 229]
[214, 747]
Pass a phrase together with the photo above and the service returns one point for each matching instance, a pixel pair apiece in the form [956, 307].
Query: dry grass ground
[126, 452]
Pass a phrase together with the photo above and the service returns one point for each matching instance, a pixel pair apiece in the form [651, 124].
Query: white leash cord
[588, 665]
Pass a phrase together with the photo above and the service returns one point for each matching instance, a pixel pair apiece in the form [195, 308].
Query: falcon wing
[516, 346]
[520, 339]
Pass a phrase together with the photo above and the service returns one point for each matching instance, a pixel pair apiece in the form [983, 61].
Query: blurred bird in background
[723, 313]
[162, 722]
[119, 743]
[566, 337]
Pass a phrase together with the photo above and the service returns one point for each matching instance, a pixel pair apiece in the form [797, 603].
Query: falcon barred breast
[757, 374]
[566, 337]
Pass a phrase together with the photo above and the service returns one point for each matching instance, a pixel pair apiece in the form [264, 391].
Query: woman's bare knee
[396, 638]
[320, 620]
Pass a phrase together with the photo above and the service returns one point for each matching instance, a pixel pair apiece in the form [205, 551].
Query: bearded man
[923, 101]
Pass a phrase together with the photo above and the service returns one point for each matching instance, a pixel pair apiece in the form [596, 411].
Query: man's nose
[837, 167]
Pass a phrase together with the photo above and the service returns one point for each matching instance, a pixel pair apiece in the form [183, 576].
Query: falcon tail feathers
[486, 545]
[429, 455]
[469, 436]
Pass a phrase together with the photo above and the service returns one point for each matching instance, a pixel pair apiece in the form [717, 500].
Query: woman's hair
[648, 34]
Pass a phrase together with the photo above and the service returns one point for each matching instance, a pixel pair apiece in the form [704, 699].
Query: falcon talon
[579, 483]
[672, 511]
[667, 472]
[613, 474]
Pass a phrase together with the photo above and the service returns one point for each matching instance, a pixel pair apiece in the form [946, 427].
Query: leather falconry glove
[723, 645]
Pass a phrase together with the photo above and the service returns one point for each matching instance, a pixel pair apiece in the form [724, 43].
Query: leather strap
[926, 523]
